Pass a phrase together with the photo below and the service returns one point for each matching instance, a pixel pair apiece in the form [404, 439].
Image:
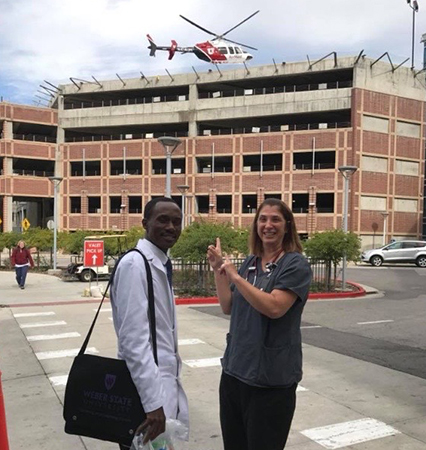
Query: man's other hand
[153, 425]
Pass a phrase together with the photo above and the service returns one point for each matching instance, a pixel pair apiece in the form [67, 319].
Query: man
[160, 389]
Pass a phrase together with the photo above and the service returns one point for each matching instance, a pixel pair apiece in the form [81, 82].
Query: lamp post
[56, 182]
[347, 172]
[385, 215]
[170, 144]
[415, 7]
[182, 189]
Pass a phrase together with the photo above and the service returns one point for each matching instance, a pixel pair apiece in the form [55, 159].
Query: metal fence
[198, 278]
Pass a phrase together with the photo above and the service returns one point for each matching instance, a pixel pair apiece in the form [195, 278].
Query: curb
[361, 292]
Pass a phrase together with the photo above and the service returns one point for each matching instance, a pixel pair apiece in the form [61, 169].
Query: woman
[21, 259]
[262, 364]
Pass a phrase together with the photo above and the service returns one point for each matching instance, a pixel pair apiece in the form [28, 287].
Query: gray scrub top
[261, 351]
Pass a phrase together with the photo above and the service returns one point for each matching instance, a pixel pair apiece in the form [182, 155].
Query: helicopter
[218, 50]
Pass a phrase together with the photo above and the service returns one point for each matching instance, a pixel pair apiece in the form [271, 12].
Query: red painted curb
[202, 300]
[314, 296]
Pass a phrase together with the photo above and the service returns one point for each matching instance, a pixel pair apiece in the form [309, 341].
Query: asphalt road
[387, 329]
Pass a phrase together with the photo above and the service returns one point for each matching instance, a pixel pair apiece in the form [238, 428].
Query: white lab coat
[157, 386]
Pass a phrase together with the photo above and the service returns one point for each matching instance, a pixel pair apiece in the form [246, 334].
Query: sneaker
[22, 287]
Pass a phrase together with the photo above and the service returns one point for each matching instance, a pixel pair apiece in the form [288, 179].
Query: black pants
[254, 418]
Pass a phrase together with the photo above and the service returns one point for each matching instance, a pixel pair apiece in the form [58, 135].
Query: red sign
[93, 253]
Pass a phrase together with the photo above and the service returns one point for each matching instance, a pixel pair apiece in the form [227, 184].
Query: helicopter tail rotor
[172, 49]
[151, 46]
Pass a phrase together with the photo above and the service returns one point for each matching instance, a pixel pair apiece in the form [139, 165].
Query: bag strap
[151, 305]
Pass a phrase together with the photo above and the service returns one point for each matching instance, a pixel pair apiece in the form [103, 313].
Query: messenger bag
[101, 400]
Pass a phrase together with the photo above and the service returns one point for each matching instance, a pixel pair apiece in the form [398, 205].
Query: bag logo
[109, 381]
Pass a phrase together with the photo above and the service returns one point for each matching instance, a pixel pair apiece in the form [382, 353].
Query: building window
[115, 204]
[317, 160]
[278, 196]
[249, 204]
[159, 166]
[94, 205]
[133, 167]
[202, 204]
[300, 203]
[135, 204]
[93, 169]
[325, 203]
[75, 205]
[221, 164]
[271, 163]
[224, 204]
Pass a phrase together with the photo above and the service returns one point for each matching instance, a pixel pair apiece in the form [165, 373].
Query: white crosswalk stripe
[43, 324]
[190, 341]
[38, 314]
[49, 337]
[205, 362]
[60, 380]
[345, 434]
[63, 353]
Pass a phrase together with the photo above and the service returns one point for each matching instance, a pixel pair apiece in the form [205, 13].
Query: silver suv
[397, 252]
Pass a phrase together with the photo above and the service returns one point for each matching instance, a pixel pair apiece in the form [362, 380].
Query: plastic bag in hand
[169, 440]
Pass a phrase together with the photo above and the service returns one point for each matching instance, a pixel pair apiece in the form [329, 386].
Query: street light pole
[347, 172]
[183, 188]
[56, 182]
[385, 215]
[170, 144]
[415, 7]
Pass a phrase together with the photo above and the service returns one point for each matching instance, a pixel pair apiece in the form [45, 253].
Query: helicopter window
[223, 50]
[237, 50]
[231, 50]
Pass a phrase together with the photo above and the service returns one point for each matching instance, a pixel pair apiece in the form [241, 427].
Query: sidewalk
[48, 289]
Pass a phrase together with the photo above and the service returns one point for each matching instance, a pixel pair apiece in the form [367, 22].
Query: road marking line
[377, 321]
[190, 341]
[207, 362]
[39, 314]
[63, 353]
[344, 434]
[42, 324]
[48, 337]
[310, 326]
[60, 380]
[104, 310]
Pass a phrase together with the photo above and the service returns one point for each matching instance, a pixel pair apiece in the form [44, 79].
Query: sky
[54, 40]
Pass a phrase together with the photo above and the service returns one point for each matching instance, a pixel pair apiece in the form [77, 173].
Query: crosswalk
[56, 336]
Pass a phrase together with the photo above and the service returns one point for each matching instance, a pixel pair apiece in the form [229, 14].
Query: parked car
[397, 252]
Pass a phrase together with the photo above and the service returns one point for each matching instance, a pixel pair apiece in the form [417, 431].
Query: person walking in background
[262, 364]
[21, 259]
[159, 387]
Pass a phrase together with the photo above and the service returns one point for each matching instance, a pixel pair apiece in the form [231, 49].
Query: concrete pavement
[343, 402]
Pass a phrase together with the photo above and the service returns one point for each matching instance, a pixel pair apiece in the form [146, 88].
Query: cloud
[54, 40]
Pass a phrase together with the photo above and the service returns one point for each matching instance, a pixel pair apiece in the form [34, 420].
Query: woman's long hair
[291, 241]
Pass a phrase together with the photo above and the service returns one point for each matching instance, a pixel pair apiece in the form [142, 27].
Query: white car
[397, 252]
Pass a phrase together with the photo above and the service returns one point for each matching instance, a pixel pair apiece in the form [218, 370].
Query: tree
[9, 240]
[192, 248]
[42, 240]
[330, 246]
[194, 240]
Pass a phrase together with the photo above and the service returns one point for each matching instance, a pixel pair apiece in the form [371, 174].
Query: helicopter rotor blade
[239, 43]
[236, 26]
[198, 26]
